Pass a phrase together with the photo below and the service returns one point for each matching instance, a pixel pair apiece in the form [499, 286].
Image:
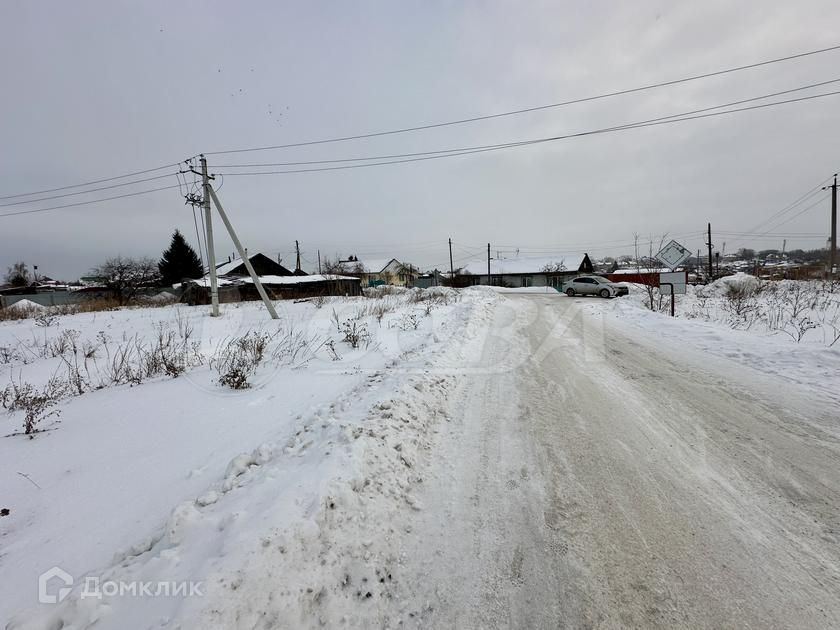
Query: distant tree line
[125, 277]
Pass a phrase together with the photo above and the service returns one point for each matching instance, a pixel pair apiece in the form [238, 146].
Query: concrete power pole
[208, 239]
[709, 243]
[832, 248]
[319, 262]
[243, 253]
[489, 279]
[297, 251]
[451, 268]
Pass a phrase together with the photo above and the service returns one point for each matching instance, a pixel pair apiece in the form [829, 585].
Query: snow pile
[259, 494]
[740, 282]
[26, 305]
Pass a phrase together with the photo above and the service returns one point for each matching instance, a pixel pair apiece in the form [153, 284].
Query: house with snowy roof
[262, 264]
[543, 271]
[374, 272]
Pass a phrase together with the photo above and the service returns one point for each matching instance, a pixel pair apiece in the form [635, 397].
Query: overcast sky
[93, 89]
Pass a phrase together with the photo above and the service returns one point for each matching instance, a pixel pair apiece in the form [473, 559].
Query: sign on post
[675, 280]
[673, 255]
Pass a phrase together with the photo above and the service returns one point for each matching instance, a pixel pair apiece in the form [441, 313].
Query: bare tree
[332, 266]
[126, 276]
[555, 267]
[647, 267]
[18, 275]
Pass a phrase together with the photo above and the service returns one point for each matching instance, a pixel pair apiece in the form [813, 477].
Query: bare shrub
[45, 320]
[36, 404]
[741, 305]
[355, 333]
[409, 321]
[237, 359]
[330, 346]
[8, 354]
[319, 301]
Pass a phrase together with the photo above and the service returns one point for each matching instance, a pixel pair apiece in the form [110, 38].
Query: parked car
[594, 285]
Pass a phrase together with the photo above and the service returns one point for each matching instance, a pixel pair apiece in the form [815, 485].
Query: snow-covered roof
[370, 265]
[500, 266]
[205, 281]
[621, 272]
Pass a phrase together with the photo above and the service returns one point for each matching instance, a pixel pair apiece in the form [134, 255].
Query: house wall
[517, 281]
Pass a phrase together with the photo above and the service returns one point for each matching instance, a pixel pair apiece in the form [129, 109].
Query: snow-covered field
[133, 476]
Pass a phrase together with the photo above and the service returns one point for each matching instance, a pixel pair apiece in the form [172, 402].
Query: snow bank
[25, 305]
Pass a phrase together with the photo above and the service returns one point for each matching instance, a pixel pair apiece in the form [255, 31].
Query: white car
[594, 285]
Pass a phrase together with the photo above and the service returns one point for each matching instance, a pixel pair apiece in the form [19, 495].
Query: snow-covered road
[591, 479]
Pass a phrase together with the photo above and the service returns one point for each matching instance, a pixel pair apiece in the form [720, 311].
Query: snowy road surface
[592, 480]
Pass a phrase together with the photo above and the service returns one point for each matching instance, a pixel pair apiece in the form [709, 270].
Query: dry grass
[91, 305]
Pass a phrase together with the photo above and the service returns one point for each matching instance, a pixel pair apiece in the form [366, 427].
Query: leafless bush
[319, 301]
[796, 327]
[292, 347]
[124, 367]
[183, 326]
[36, 404]
[8, 354]
[45, 320]
[741, 305]
[409, 321]
[355, 333]
[237, 359]
[330, 346]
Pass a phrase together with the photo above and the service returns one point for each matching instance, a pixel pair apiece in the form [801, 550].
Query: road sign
[673, 255]
[675, 279]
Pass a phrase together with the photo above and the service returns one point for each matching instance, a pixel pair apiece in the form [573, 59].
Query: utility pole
[243, 253]
[709, 243]
[297, 251]
[451, 268]
[832, 250]
[208, 239]
[489, 279]
[319, 262]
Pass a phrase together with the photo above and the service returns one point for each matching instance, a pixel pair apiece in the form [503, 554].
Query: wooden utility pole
[709, 243]
[832, 248]
[319, 262]
[208, 239]
[489, 280]
[297, 251]
[451, 268]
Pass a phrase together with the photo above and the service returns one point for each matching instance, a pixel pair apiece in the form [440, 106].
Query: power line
[516, 143]
[800, 213]
[85, 192]
[664, 120]
[530, 109]
[84, 203]
[91, 183]
[799, 200]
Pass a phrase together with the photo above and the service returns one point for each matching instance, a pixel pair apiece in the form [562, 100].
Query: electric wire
[532, 109]
[673, 118]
